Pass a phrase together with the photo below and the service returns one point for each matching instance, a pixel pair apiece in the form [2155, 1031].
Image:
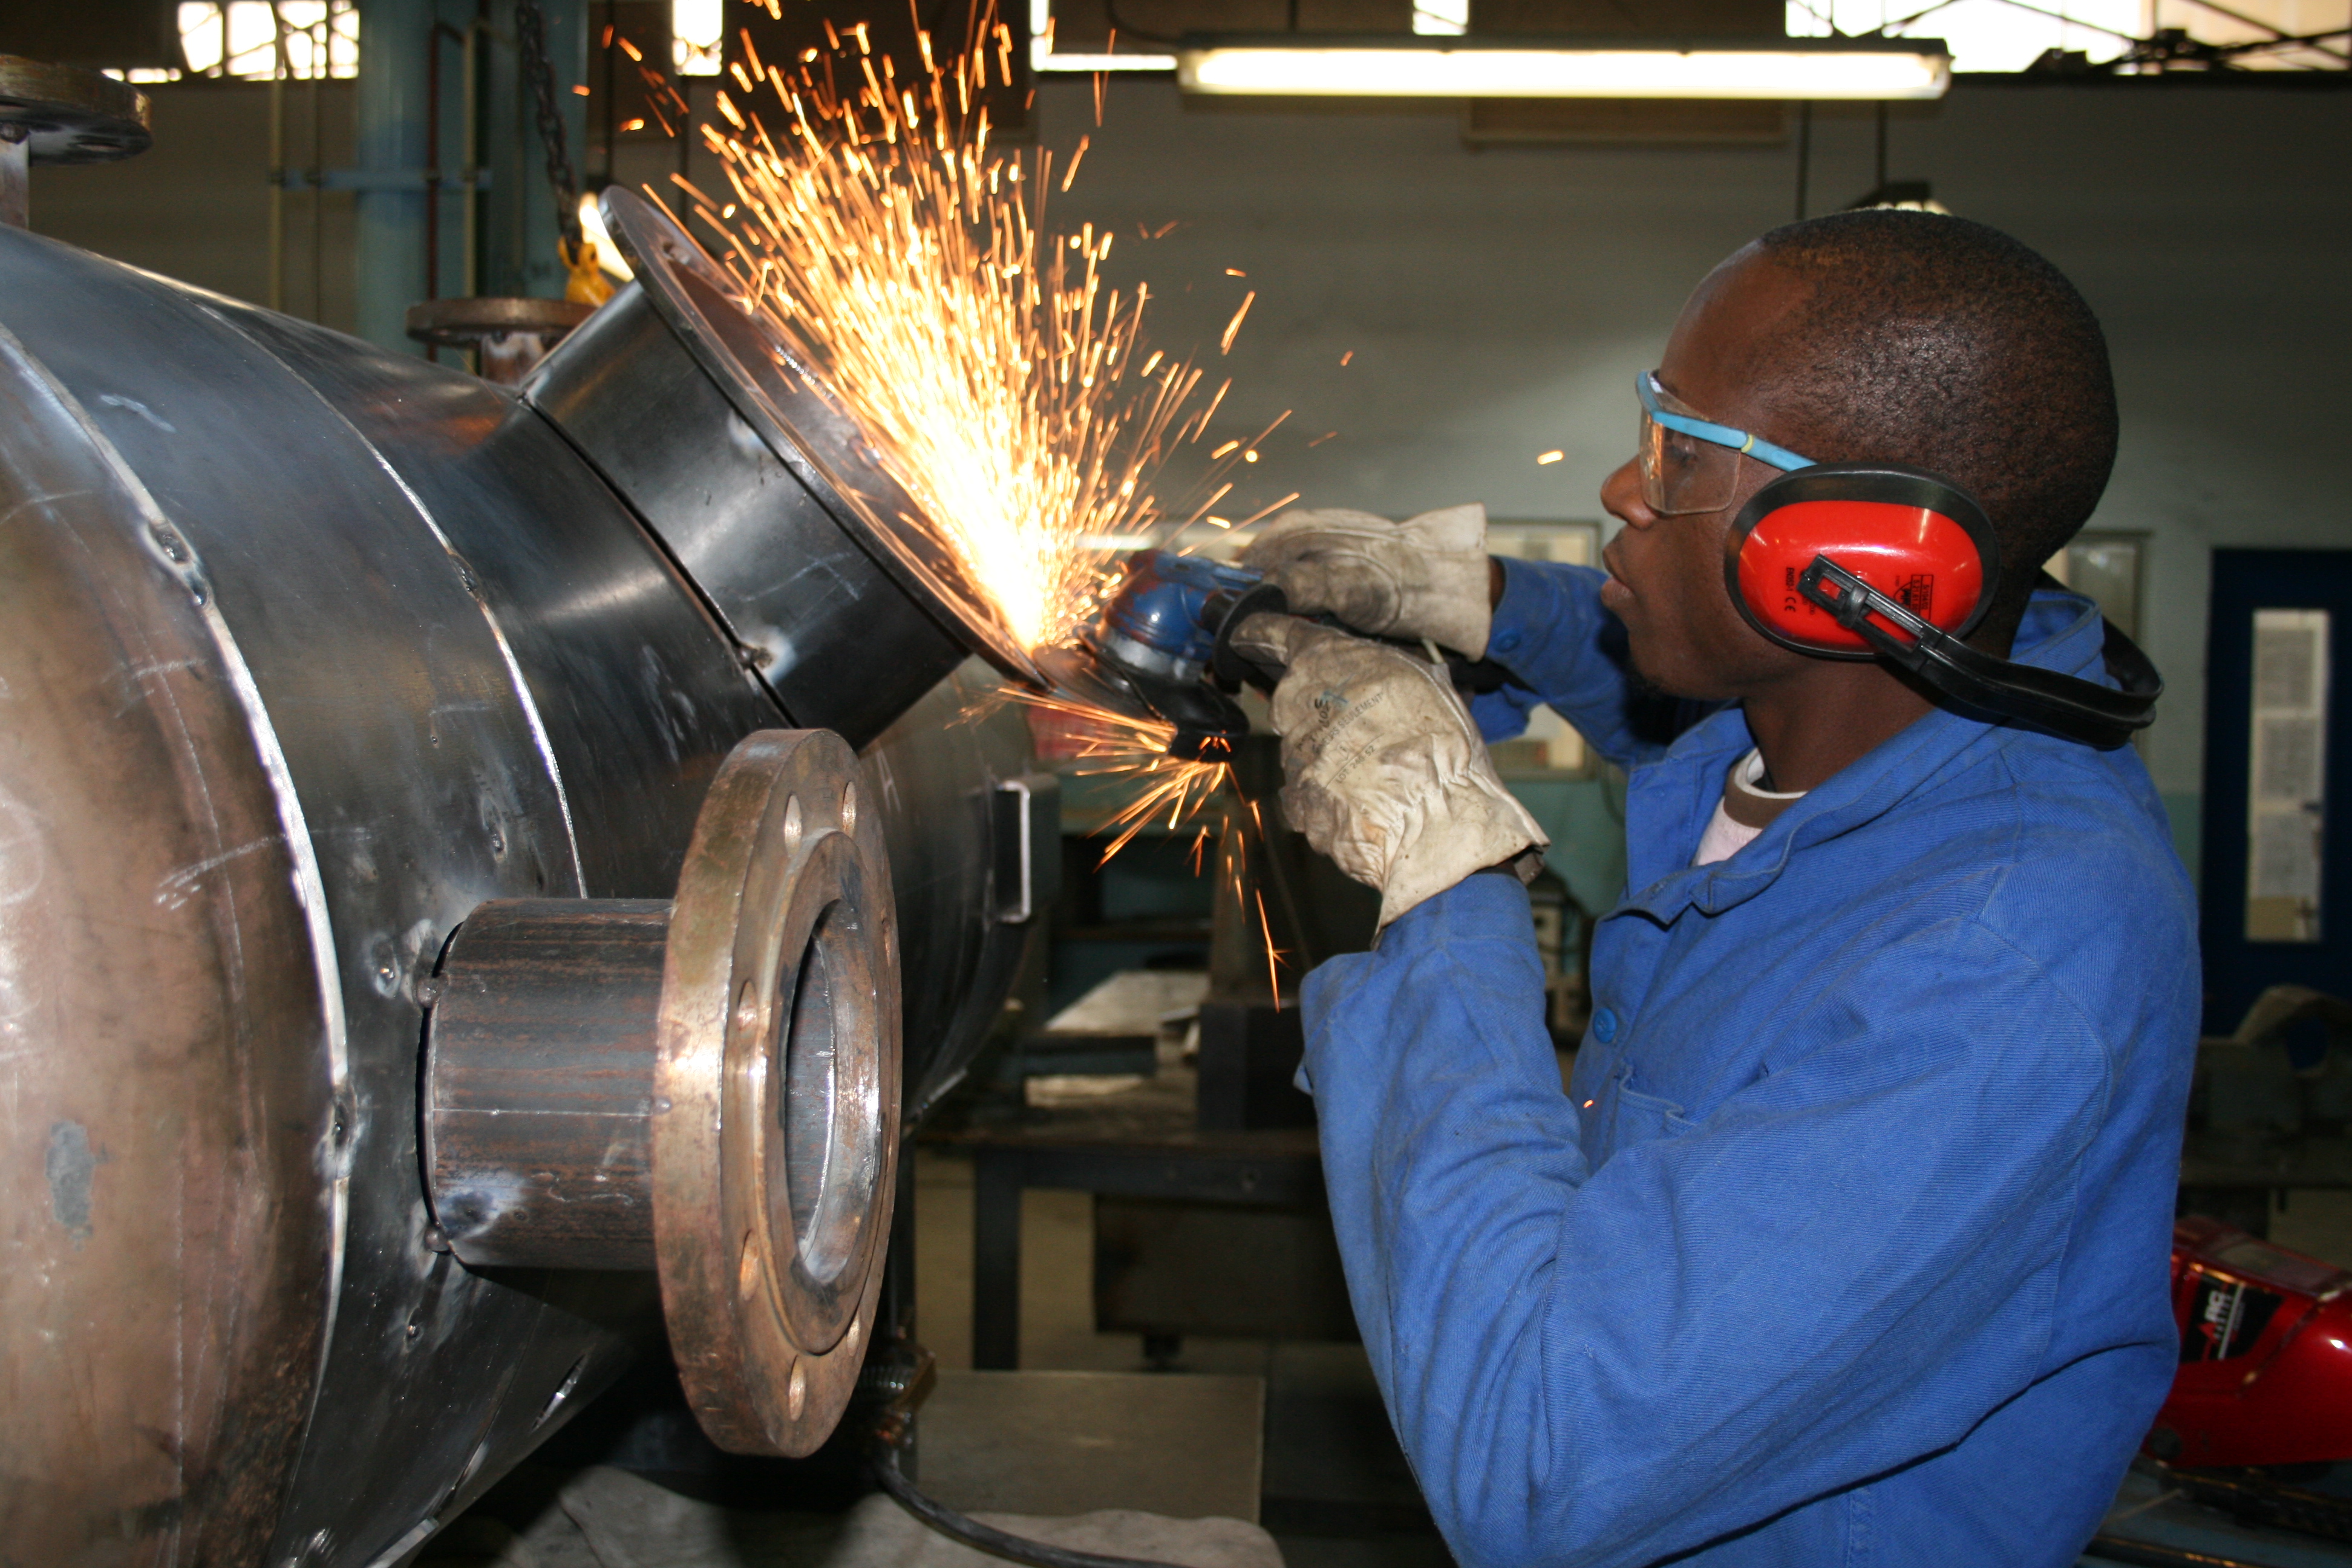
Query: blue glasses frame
[1646, 387]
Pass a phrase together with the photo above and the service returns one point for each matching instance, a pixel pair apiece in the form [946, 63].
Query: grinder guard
[1164, 643]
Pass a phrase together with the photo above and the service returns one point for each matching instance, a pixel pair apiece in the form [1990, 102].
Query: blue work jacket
[1848, 1243]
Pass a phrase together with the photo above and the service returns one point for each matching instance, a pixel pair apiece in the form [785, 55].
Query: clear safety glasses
[1690, 464]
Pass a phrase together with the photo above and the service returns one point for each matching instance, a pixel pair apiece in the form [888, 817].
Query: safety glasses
[1690, 464]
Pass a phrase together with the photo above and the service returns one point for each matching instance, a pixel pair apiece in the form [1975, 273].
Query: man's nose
[1621, 496]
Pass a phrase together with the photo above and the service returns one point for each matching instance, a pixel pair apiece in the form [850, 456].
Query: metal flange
[69, 115]
[469, 322]
[776, 1094]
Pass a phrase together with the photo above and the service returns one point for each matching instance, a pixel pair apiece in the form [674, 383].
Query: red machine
[2265, 1353]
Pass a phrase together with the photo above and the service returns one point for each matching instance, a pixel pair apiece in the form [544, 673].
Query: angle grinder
[1163, 645]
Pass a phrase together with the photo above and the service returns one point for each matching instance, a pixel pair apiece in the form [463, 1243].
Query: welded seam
[471, 582]
[538, 736]
[309, 885]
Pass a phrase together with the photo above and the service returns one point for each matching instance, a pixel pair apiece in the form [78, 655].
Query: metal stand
[1273, 1169]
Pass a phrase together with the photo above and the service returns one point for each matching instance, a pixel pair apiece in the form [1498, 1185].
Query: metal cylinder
[698, 411]
[629, 395]
[539, 1083]
[310, 651]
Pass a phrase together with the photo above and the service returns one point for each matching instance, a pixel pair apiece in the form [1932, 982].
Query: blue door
[2277, 877]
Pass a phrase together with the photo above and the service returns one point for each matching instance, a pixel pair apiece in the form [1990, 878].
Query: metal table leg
[996, 1259]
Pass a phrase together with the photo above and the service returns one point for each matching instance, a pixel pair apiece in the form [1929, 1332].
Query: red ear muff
[1921, 541]
[1878, 561]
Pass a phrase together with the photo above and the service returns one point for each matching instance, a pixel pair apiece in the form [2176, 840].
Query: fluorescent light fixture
[1044, 59]
[1917, 69]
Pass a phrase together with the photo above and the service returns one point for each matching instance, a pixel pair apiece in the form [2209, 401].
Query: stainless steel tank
[307, 653]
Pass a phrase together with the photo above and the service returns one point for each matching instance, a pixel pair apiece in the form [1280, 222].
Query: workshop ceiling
[118, 35]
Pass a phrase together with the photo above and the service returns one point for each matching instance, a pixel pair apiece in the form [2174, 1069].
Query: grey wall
[195, 206]
[1500, 302]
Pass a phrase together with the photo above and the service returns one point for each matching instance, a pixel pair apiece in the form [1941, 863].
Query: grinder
[1160, 645]
[1164, 642]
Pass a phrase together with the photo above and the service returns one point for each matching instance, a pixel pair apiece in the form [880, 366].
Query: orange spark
[1270, 511]
[1233, 327]
[1273, 954]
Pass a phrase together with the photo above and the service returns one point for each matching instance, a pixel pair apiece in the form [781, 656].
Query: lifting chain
[530, 38]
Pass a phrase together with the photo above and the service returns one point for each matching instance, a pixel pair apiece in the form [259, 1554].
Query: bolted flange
[776, 1094]
[708, 1088]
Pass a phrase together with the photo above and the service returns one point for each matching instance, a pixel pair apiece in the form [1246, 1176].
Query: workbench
[1142, 1141]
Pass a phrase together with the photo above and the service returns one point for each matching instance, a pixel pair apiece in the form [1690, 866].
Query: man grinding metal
[1848, 1244]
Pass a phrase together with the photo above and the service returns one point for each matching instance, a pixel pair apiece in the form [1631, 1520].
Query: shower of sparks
[1131, 746]
[1000, 378]
[987, 360]
[1171, 790]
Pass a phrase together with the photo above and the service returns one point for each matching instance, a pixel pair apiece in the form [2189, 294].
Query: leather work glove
[1385, 773]
[1424, 577]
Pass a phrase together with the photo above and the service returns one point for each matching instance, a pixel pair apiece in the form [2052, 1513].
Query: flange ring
[776, 1093]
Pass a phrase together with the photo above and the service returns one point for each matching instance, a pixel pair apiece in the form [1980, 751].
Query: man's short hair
[1946, 344]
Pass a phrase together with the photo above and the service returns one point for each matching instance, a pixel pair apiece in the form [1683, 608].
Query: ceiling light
[1041, 57]
[1917, 67]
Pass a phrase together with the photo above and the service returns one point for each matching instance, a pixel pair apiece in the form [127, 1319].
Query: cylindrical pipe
[391, 203]
[472, 73]
[277, 169]
[539, 1073]
[839, 641]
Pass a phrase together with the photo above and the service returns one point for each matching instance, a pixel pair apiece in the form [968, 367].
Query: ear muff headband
[1888, 570]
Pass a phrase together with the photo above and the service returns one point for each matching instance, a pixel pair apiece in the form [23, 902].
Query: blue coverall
[1848, 1244]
